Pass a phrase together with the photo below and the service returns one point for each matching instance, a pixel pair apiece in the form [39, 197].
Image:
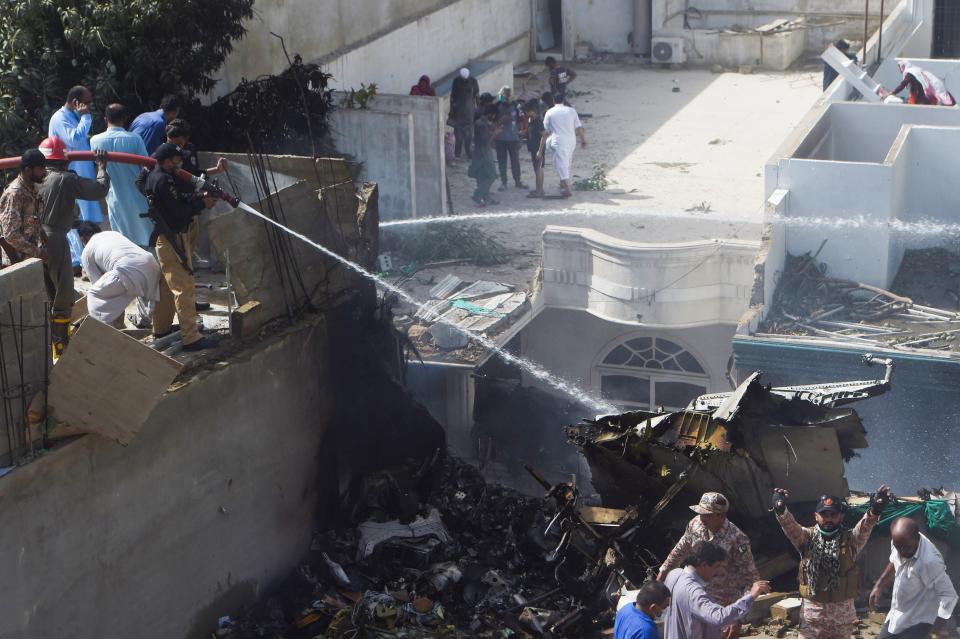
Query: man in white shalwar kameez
[561, 128]
[119, 272]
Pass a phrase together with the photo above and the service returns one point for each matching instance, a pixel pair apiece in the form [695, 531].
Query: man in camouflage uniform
[19, 206]
[738, 573]
[829, 580]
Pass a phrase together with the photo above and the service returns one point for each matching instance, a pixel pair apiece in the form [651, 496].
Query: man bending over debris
[923, 595]
[120, 271]
[174, 204]
[692, 614]
[738, 572]
[638, 621]
[829, 579]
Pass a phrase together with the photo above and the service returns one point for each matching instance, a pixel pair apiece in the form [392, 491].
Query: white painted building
[641, 324]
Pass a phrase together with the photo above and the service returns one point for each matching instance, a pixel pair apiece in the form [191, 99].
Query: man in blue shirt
[71, 123]
[152, 125]
[637, 621]
[124, 201]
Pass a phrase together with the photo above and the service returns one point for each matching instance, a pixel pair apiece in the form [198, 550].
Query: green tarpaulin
[941, 523]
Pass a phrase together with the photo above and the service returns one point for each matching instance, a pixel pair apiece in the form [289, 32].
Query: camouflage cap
[712, 504]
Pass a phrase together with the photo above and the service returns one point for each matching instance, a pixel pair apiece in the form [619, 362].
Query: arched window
[645, 372]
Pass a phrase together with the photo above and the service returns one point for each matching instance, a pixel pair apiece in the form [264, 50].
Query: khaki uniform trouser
[58, 273]
[179, 293]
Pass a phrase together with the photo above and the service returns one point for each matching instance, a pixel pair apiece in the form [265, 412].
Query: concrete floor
[683, 165]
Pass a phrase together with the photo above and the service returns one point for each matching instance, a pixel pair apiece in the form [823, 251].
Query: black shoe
[201, 344]
[521, 185]
[202, 306]
[503, 187]
[173, 329]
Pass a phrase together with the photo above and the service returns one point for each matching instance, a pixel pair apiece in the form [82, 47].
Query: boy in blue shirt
[638, 621]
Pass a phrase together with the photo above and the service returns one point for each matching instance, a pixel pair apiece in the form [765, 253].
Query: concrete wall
[384, 143]
[211, 504]
[448, 392]
[22, 286]
[436, 44]
[389, 42]
[314, 30]
[430, 169]
[605, 24]
[682, 284]
[825, 22]
[587, 339]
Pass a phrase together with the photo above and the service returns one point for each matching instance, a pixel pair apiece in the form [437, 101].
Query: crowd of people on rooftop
[489, 131]
[142, 249]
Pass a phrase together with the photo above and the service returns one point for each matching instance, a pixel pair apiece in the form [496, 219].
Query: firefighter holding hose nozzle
[173, 206]
[59, 192]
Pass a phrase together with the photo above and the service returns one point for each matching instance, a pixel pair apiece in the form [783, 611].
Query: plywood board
[108, 383]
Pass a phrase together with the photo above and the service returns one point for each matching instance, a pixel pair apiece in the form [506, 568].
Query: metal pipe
[46, 370]
[880, 34]
[866, 34]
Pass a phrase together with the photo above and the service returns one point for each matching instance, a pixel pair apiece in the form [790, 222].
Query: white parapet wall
[680, 284]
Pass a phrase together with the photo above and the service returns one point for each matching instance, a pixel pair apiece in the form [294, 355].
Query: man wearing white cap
[463, 108]
[738, 572]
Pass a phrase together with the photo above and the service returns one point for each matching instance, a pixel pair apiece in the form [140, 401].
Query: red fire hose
[130, 158]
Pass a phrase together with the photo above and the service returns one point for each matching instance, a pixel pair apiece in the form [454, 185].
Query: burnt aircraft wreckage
[742, 443]
[476, 559]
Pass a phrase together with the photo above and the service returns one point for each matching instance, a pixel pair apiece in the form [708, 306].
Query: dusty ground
[683, 165]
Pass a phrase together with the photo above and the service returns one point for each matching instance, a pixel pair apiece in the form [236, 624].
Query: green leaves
[132, 51]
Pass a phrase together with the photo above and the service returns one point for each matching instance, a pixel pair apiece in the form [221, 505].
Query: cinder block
[787, 610]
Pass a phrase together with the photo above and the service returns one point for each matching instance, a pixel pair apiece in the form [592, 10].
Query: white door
[544, 26]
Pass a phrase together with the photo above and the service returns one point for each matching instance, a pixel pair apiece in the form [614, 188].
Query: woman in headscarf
[925, 88]
[423, 87]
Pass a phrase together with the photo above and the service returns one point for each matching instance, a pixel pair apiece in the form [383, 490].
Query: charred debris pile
[810, 303]
[429, 548]
[436, 551]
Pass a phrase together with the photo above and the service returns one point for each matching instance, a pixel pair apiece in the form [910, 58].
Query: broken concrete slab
[331, 210]
[108, 383]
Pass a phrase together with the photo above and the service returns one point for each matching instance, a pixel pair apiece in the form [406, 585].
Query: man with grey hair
[923, 595]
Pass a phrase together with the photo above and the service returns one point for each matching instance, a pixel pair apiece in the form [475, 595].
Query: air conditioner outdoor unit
[668, 51]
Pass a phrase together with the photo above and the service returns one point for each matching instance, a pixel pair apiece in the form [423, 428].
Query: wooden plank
[79, 310]
[108, 383]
